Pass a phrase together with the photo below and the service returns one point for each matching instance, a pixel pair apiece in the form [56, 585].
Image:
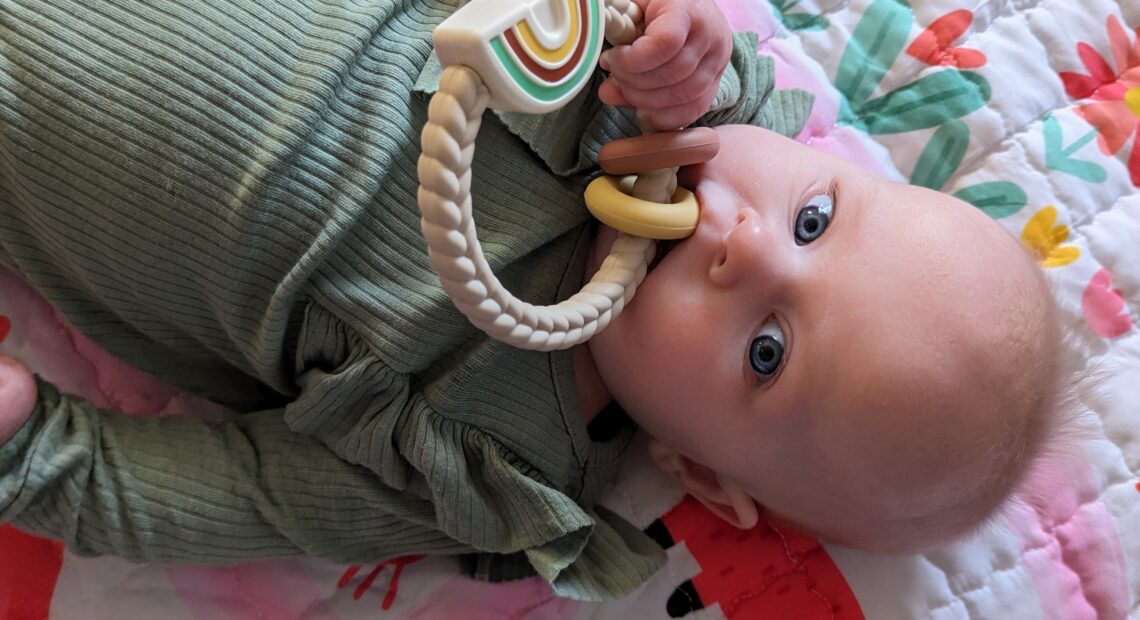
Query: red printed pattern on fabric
[765, 572]
[398, 565]
[27, 585]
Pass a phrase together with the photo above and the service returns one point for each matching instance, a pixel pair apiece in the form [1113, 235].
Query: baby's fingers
[663, 38]
[671, 71]
[699, 86]
[664, 118]
[610, 93]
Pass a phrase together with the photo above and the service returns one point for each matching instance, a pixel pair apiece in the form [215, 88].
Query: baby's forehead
[922, 333]
[761, 149]
[925, 233]
[905, 308]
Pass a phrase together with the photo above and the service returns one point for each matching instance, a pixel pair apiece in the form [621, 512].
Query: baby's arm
[179, 489]
[672, 71]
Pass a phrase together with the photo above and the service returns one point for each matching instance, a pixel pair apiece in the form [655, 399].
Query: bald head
[909, 342]
[937, 392]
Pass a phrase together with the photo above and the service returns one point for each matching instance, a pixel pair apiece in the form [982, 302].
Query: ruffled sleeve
[509, 492]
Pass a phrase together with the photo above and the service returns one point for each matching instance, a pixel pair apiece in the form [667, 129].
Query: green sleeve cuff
[747, 93]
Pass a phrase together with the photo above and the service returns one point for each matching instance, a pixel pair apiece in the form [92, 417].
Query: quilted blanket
[1028, 109]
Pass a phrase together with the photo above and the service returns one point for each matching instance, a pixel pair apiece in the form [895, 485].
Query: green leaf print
[928, 102]
[1058, 157]
[942, 155]
[798, 21]
[997, 198]
[875, 44]
[804, 21]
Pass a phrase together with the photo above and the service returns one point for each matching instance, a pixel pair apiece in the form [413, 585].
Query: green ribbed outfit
[223, 194]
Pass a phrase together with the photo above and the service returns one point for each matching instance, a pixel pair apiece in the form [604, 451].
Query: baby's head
[870, 361]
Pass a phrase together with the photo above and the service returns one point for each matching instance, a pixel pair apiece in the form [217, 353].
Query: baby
[872, 362]
[868, 361]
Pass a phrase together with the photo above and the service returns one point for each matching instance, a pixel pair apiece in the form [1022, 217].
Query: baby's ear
[721, 496]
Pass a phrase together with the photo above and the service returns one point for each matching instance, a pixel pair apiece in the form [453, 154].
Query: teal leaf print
[1058, 157]
[942, 155]
[805, 22]
[798, 21]
[875, 44]
[928, 102]
[997, 198]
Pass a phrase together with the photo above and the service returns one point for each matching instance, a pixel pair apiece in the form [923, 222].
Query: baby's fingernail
[604, 60]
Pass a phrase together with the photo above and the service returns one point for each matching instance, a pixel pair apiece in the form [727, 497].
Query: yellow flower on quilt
[1044, 239]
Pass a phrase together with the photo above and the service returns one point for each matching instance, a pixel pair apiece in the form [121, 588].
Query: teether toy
[667, 149]
[533, 56]
[609, 200]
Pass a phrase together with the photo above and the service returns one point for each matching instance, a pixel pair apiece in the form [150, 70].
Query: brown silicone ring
[667, 149]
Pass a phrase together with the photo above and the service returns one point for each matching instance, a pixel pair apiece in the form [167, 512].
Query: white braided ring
[448, 142]
[448, 139]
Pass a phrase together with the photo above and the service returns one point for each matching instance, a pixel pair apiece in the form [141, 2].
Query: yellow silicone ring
[617, 209]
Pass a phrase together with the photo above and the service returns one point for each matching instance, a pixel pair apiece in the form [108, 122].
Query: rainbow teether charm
[533, 55]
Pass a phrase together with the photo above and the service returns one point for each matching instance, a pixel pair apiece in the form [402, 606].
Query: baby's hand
[17, 396]
[671, 72]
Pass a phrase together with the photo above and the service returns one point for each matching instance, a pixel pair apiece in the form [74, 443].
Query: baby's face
[822, 338]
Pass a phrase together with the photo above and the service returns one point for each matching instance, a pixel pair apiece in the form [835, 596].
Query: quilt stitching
[959, 597]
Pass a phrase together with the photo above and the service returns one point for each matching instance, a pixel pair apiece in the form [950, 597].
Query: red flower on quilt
[933, 45]
[1114, 109]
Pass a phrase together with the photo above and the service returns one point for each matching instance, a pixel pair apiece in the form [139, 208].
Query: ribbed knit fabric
[223, 193]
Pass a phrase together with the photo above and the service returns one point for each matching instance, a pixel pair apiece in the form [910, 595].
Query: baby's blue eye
[766, 351]
[813, 218]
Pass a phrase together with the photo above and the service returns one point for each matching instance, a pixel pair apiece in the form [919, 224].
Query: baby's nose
[741, 252]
